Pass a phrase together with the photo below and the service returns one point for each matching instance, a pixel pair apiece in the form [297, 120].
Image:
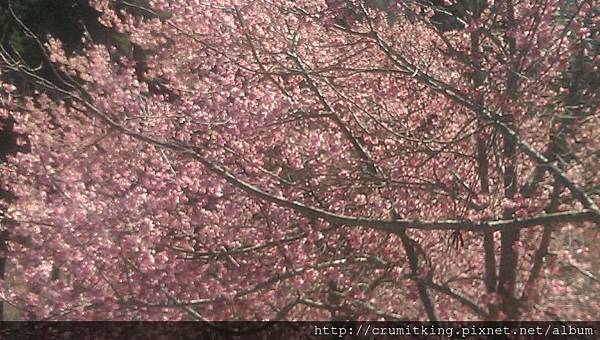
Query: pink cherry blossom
[305, 159]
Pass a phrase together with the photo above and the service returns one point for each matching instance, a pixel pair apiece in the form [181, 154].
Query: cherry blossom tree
[279, 159]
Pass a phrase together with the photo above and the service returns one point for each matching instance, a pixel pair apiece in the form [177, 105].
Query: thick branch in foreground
[379, 224]
[414, 267]
[585, 215]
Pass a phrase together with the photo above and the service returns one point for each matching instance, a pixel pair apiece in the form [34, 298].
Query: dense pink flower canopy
[311, 160]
